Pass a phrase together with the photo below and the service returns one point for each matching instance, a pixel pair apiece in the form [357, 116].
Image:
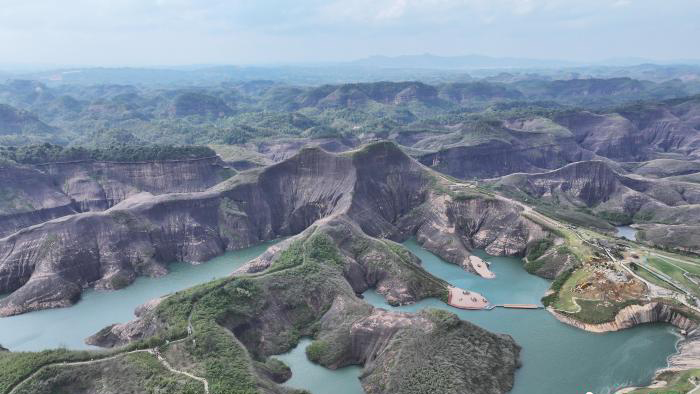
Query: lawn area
[673, 270]
[678, 383]
[565, 300]
[687, 266]
[597, 312]
[644, 273]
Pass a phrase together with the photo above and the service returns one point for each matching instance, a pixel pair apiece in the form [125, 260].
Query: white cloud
[195, 31]
[622, 3]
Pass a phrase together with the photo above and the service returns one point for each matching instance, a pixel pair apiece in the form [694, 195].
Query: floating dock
[521, 306]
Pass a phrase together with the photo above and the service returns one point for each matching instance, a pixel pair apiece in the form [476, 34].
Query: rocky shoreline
[687, 354]
[633, 315]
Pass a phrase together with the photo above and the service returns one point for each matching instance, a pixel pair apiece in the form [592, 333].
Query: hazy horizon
[141, 33]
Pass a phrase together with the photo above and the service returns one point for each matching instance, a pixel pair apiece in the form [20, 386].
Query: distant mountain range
[459, 62]
[431, 61]
[427, 68]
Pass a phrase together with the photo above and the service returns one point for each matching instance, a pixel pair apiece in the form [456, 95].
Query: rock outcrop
[33, 194]
[494, 158]
[687, 354]
[677, 237]
[96, 186]
[668, 210]
[29, 196]
[378, 188]
[633, 315]
[424, 345]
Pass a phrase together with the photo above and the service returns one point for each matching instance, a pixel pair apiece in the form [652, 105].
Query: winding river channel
[556, 358]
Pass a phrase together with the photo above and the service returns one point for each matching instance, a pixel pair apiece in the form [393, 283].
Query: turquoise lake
[556, 358]
[68, 327]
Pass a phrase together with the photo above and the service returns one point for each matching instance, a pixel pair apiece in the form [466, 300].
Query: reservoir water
[556, 358]
[627, 232]
[317, 379]
[68, 327]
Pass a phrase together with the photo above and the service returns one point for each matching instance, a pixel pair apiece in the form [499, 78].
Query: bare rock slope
[33, 194]
[380, 189]
[667, 211]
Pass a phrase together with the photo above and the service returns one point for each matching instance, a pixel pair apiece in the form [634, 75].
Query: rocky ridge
[379, 188]
[33, 194]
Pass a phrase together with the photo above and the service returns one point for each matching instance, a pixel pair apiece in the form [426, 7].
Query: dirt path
[166, 364]
[71, 364]
[154, 351]
[696, 390]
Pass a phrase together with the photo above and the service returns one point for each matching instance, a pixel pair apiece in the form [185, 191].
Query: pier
[520, 306]
[515, 306]
[465, 299]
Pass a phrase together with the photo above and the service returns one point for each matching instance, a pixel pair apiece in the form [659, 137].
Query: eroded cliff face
[496, 158]
[31, 195]
[96, 186]
[378, 188]
[609, 135]
[679, 236]
[637, 132]
[633, 315]
[27, 197]
[587, 183]
[668, 211]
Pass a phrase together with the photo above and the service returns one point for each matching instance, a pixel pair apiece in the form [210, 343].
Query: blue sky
[165, 32]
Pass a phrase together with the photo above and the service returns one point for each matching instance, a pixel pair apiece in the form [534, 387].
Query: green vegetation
[597, 312]
[553, 297]
[677, 382]
[47, 153]
[146, 375]
[418, 362]
[252, 112]
[676, 273]
[534, 252]
[565, 290]
[616, 218]
[18, 366]
[644, 273]
[316, 350]
[12, 201]
[276, 369]
[237, 153]
[310, 267]
[578, 217]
